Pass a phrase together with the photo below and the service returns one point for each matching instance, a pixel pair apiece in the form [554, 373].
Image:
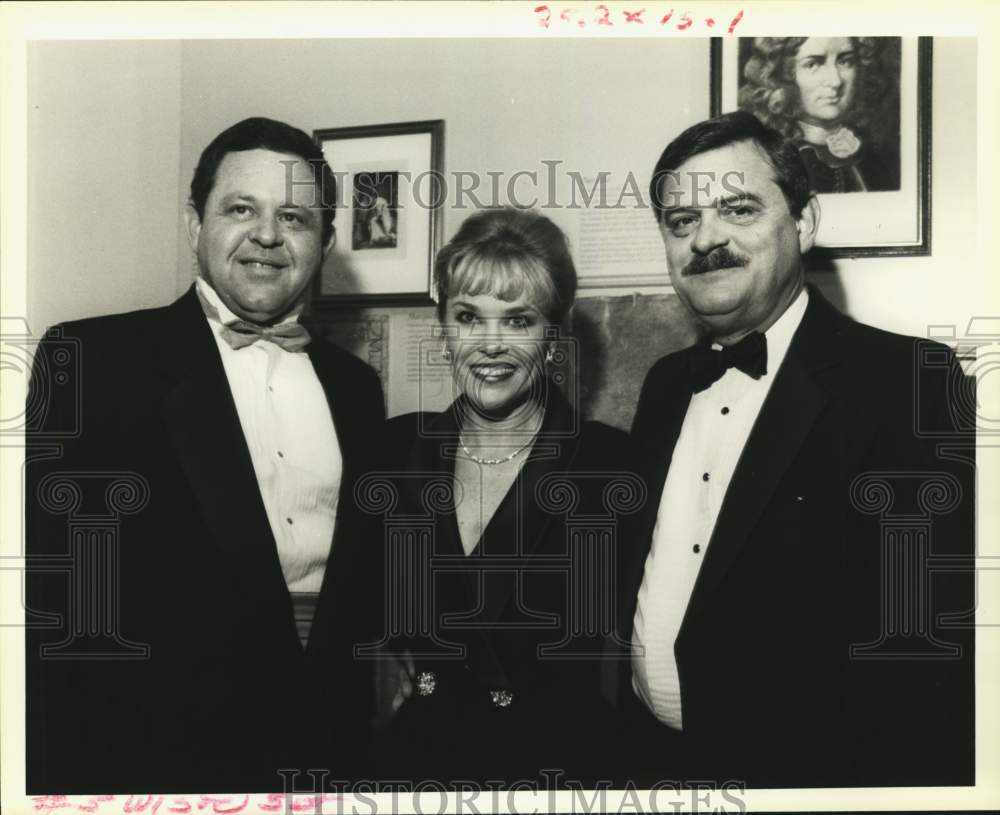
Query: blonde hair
[507, 252]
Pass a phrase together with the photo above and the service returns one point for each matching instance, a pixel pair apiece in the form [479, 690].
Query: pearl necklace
[492, 461]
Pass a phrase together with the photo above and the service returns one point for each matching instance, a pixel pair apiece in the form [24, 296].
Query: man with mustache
[225, 441]
[770, 630]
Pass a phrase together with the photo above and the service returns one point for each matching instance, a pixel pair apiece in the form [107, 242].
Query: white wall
[103, 144]
[907, 294]
[116, 128]
[507, 104]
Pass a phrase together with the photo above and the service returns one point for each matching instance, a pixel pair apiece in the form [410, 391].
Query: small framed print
[860, 110]
[388, 221]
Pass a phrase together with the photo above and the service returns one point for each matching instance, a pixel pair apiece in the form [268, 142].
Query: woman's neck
[486, 430]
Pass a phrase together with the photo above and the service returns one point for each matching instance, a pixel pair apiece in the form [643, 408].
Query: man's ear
[330, 242]
[193, 223]
[808, 224]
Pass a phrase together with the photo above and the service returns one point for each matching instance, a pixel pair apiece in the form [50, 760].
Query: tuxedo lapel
[350, 559]
[796, 398]
[658, 427]
[205, 432]
[656, 430]
[349, 440]
[346, 412]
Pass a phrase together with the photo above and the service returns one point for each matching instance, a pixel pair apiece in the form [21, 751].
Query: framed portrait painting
[388, 218]
[859, 110]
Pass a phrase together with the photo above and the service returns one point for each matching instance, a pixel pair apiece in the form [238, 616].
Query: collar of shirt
[779, 336]
[226, 316]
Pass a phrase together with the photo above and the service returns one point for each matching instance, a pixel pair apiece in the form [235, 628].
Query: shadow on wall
[339, 274]
[821, 270]
[616, 341]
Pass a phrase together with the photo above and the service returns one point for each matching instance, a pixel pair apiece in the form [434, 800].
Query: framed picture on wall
[860, 110]
[388, 220]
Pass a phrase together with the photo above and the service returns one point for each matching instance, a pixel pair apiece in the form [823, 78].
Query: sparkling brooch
[426, 683]
[501, 698]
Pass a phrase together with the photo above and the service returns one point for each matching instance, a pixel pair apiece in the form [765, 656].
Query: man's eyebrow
[739, 197]
[243, 196]
[715, 203]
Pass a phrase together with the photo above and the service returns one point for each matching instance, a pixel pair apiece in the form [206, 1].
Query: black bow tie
[749, 355]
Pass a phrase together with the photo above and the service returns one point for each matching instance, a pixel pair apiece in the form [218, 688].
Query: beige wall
[104, 131]
[908, 294]
[115, 130]
[507, 104]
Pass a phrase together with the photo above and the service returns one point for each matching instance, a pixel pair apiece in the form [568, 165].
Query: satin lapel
[346, 412]
[348, 424]
[553, 452]
[655, 439]
[204, 429]
[797, 397]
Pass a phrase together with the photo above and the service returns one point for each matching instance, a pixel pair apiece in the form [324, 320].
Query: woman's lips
[493, 372]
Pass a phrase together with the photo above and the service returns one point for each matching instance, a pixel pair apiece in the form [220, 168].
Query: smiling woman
[490, 702]
[837, 97]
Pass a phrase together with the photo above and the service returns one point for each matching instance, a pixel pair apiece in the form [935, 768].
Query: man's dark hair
[258, 133]
[781, 153]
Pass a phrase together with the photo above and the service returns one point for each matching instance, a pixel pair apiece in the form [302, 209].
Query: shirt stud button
[280, 454]
[289, 521]
[696, 548]
[725, 411]
[704, 476]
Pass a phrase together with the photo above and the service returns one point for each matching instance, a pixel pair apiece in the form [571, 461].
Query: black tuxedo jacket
[522, 613]
[187, 675]
[802, 565]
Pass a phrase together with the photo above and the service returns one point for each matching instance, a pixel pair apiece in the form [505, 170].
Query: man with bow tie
[761, 578]
[241, 580]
